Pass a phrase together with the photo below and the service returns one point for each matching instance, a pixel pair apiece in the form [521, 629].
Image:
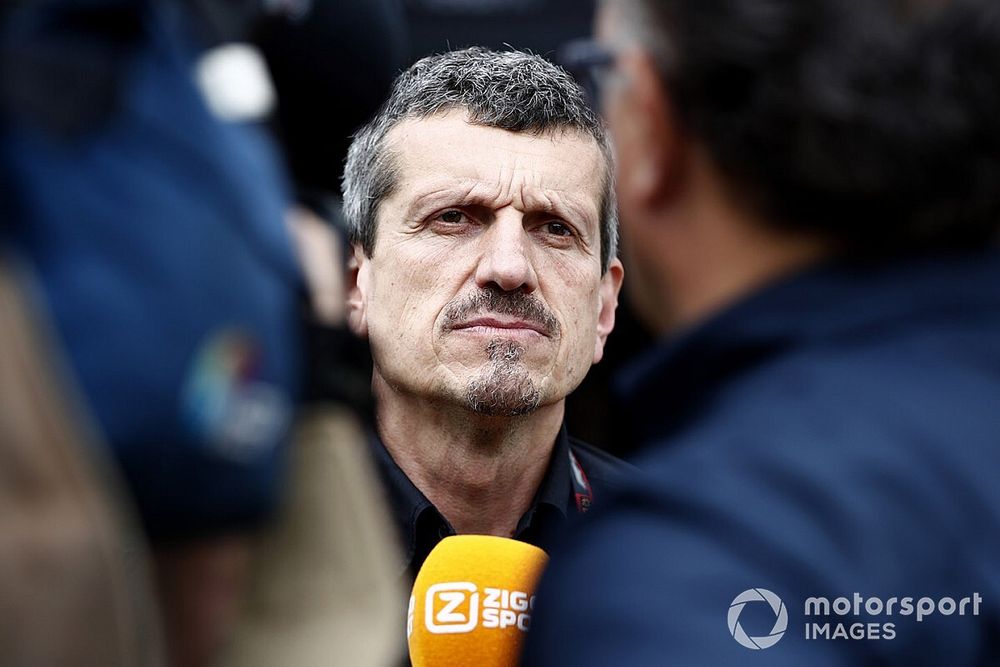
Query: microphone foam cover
[472, 602]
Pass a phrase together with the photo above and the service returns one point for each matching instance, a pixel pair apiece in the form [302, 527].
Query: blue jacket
[836, 435]
[155, 232]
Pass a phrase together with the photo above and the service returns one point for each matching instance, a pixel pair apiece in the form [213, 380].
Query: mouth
[500, 325]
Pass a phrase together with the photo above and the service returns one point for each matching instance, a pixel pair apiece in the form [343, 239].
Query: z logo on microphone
[453, 616]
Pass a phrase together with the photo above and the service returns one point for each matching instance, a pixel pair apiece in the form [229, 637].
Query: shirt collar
[421, 525]
[665, 387]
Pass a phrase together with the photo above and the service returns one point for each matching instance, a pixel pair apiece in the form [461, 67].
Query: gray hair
[510, 90]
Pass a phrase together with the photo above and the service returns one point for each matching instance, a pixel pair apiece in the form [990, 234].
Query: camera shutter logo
[780, 618]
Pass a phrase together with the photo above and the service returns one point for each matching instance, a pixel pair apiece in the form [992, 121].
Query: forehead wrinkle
[522, 171]
[531, 184]
[462, 192]
[543, 200]
[440, 192]
[570, 204]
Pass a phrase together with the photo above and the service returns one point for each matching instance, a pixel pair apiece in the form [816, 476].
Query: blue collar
[835, 303]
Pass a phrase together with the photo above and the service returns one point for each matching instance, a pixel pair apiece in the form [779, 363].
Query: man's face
[484, 288]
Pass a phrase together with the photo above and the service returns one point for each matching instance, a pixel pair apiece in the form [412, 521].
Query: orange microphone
[472, 602]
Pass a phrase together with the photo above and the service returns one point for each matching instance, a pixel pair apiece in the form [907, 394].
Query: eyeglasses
[589, 63]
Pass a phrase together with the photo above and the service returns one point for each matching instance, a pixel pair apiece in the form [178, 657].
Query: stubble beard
[504, 388]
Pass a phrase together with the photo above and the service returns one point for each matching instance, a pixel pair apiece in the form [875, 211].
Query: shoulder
[667, 555]
[863, 469]
[811, 458]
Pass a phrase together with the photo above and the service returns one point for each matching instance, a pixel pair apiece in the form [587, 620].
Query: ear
[647, 135]
[358, 285]
[611, 284]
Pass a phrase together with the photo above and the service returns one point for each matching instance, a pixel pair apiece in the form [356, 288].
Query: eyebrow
[460, 194]
[568, 208]
[441, 196]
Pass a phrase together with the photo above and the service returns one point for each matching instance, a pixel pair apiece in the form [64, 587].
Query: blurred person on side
[485, 278]
[810, 197]
[150, 212]
[324, 584]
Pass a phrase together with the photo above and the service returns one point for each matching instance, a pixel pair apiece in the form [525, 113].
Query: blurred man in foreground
[810, 193]
[484, 230]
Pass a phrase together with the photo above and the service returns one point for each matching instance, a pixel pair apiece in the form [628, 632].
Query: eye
[452, 217]
[453, 221]
[557, 228]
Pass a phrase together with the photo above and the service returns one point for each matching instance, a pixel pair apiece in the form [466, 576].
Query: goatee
[504, 389]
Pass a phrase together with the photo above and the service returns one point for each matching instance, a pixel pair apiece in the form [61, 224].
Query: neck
[480, 472]
[716, 252]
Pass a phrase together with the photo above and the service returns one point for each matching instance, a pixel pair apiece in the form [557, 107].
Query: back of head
[872, 123]
[511, 90]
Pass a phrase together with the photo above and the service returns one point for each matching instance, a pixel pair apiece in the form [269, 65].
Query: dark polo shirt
[577, 476]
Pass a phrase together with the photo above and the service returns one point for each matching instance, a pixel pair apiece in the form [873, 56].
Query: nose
[506, 260]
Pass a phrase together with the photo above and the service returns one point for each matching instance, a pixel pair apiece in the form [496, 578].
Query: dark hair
[874, 123]
[511, 90]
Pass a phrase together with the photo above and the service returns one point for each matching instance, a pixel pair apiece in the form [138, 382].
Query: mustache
[491, 300]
